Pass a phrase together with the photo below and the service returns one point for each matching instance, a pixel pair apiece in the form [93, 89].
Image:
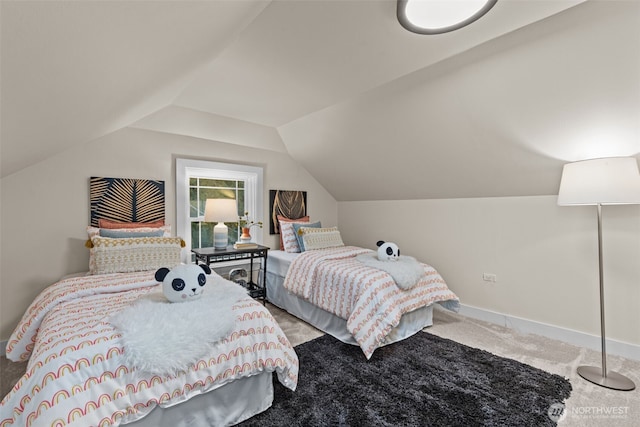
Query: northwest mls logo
[557, 412]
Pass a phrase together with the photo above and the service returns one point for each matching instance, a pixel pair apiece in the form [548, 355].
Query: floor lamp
[609, 181]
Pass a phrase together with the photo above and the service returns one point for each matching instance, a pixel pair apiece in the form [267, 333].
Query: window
[201, 189]
[197, 181]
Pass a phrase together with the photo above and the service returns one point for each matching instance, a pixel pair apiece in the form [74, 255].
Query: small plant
[244, 222]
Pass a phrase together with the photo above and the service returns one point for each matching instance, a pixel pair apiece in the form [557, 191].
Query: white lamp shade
[608, 181]
[221, 210]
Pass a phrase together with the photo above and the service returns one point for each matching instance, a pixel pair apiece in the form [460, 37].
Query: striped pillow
[282, 219]
[288, 236]
[134, 254]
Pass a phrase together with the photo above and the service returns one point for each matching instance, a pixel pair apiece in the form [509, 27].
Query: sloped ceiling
[372, 111]
[73, 71]
[498, 120]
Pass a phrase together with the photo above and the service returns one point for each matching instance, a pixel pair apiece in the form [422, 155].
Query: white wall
[45, 208]
[545, 256]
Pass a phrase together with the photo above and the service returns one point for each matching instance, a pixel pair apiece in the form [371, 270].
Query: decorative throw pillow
[107, 223]
[119, 234]
[288, 236]
[166, 230]
[298, 234]
[293, 246]
[135, 254]
[282, 219]
[321, 238]
[94, 231]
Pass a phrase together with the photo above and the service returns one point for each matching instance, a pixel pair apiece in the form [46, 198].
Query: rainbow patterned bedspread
[367, 298]
[76, 373]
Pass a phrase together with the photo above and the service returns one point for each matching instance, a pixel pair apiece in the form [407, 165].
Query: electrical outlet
[489, 277]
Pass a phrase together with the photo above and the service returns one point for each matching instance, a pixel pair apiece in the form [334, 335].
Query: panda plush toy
[388, 251]
[184, 282]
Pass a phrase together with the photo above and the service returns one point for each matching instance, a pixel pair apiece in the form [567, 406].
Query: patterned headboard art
[289, 204]
[126, 200]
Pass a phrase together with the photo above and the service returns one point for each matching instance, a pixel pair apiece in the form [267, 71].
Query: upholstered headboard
[126, 200]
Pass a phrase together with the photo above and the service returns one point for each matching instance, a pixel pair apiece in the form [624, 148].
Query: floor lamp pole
[602, 377]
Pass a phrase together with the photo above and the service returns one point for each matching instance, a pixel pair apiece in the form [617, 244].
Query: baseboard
[570, 336]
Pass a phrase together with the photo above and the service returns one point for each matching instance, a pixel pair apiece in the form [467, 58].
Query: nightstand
[212, 255]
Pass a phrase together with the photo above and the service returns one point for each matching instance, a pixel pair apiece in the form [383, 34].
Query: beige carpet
[589, 405]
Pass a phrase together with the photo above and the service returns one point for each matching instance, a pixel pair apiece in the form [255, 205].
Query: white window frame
[187, 168]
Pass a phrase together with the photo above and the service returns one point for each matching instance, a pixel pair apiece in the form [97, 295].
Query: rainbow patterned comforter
[76, 374]
[367, 298]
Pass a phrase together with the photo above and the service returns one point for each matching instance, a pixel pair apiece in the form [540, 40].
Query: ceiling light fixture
[440, 16]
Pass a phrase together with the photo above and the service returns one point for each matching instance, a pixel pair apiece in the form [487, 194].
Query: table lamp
[220, 211]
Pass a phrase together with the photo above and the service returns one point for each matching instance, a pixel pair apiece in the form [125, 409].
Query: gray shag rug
[423, 380]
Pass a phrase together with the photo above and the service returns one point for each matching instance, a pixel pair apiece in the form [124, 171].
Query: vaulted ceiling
[371, 110]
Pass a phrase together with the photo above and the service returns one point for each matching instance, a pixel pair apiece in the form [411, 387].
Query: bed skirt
[227, 405]
[410, 323]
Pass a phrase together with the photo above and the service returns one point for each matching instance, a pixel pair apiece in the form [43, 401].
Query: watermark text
[558, 411]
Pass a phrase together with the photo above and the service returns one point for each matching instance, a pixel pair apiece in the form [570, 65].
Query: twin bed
[80, 369]
[350, 292]
[78, 372]
[318, 287]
